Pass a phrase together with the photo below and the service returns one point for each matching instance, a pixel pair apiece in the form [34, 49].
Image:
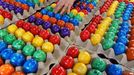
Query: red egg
[91, 28]
[44, 34]
[78, 9]
[1, 61]
[26, 26]
[84, 35]
[67, 62]
[55, 39]
[73, 52]
[1, 11]
[85, 12]
[58, 70]
[34, 29]
[20, 23]
[7, 15]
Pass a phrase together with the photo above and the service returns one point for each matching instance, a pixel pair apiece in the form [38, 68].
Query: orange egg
[18, 73]
[6, 69]
[61, 23]
[45, 17]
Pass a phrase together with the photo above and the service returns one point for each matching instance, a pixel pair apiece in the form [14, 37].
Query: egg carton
[31, 10]
[93, 55]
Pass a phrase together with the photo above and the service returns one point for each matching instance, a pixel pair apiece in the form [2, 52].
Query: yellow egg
[1, 20]
[27, 37]
[47, 47]
[12, 28]
[71, 73]
[19, 32]
[81, 14]
[37, 41]
[53, 5]
[80, 69]
[84, 57]
[102, 26]
[74, 11]
[96, 39]
[131, 1]
[41, 1]
[100, 32]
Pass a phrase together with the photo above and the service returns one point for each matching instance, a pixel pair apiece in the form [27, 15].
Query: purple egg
[64, 32]
[1, 2]
[11, 7]
[18, 10]
[46, 25]
[5, 5]
[55, 29]
[31, 19]
[39, 21]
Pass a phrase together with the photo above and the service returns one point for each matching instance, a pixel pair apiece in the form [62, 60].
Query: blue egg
[3, 45]
[125, 23]
[75, 22]
[51, 14]
[122, 39]
[130, 5]
[23, 1]
[30, 66]
[114, 69]
[125, 29]
[6, 53]
[94, 3]
[127, 11]
[31, 4]
[122, 33]
[17, 59]
[119, 48]
[125, 18]
[58, 16]
[44, 11]
[65, 18]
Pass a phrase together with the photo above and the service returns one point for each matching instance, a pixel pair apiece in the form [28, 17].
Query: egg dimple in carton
[51, 57]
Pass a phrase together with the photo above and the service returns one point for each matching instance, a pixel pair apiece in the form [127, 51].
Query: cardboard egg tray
[121, 59]
[25, 15]
[93, 55]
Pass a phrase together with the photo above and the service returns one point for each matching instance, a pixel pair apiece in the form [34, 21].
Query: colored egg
[119, 48]
[28, 50]
[18, 44]
[96, 64]
[37, 41]
[95, 39]
[26, 26]
[6, 69]
[101, 32]
[19, 32]
[34, 30]
[20, 23]
[81, 14]
[44, 11]
[51, 14]
[61, 23]
[45, 17]
[39, 21]
[110, 35]
[53, 5]
[67, 62]
[114, 69]
[44, 34]
[71, 73]
[54, 39]
[84, 57]
[126, 72]
[39, 56]
[9, 39]
[52, 20]
[70, 26]
[58, 70]
[130, 54]
[6, 53]
[31, 19]
[94, 72]
[47, 47]
[122, 39]
[107, 43]
[1, 20]
[27, 37]
[64, 32]
[80, 69]
[57, 16]
[73, 52]
[75, 22]
[3, 33]
[55, 29]
[1, 61]
[17, 59]
[3, 45]
[74, 11]
[18, 73]
[12, 28]
[28, 68]
[46, 25]
[65, 18]
[91, 28]
[38, 15]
